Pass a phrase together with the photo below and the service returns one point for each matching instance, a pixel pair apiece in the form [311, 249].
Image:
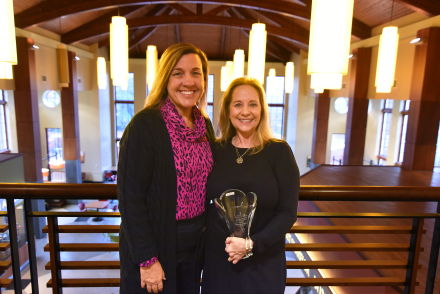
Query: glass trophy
[237, 210]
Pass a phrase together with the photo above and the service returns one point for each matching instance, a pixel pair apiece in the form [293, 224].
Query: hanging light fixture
[229, 72]
[257, 51]
[288, 77]
[151, 65]
[223, 83]
[386, 60]
[63, 66]
[102, 74]
[119, 51]
[330, 32]
[8, 49]
[238, 64]
[272, 73]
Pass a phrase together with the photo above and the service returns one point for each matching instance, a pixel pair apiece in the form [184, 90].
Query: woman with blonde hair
[164, 161]
[249, 159]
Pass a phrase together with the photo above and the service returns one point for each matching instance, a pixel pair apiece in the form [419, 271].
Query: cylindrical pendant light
[330, 33]
[272, 73]
[229, 72]
[119, 51]
[102, 73]
[151, 65]
[223, 81]
[326, 81]
[386, 61]
[257, 51]
[238, 64]
[63, 66]
[288, 77]
[8, 49]
[319, 90]
[6, 70]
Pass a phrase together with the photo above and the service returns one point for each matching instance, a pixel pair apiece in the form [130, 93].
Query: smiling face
[186, 83]
[245, 110]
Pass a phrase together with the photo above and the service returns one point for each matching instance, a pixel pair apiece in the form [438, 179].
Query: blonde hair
[263, 133]
[167, 62]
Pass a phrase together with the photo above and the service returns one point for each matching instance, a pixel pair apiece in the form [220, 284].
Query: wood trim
[306, 193]
[68, 283]
[85, 247]
[348, 264]
[86, 265]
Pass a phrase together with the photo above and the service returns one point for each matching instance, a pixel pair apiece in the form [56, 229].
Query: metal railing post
[433, 257]
[413, 255]
[13, 237]
[54, 251]
[31, 246]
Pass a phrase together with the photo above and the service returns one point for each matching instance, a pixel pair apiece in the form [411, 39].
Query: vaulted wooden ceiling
[218, 27]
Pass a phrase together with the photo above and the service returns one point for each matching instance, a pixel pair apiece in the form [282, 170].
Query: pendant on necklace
[239, 160]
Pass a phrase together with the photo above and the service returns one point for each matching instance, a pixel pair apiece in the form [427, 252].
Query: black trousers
[188, 269]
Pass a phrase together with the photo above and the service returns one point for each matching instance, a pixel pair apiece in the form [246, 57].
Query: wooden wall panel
[424, 112]
[26, 110]
[320, 127]
[357, 115]
[69, 109]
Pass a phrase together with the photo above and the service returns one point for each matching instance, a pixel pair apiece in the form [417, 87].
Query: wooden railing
[307, 193]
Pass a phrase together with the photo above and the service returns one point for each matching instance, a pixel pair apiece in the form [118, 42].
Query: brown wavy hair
[167, 62]
[263, 133]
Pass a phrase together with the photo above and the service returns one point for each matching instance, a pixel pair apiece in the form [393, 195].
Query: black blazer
[147, 194]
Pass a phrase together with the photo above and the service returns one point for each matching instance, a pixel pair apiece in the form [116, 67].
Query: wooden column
[26, 110]
[424, 111]
[320, 127]
[356, 126]
[69, 108]
[28, 121]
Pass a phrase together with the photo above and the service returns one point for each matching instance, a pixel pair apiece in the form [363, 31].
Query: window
[275, 99]
[4, 146]
[124, 108]
[403, 128]
[337, 149]
[54, 143]
[437, 151]
[385, 131]
[210, 98]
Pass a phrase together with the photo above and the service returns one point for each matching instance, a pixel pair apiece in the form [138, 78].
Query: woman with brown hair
[164, 161]
[249, 159]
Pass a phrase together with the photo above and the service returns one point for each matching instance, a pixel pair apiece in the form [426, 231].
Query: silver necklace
[240, 157]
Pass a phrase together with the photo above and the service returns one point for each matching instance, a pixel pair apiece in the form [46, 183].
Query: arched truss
[277, 10]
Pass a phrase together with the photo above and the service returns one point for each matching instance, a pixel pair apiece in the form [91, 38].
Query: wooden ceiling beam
[142, 33]
[190, 19]
[273, 50]
[427, 7]
[217, 10]
[50, 9]
[105, 18]
[279, 41]
[176, 27]
[199, 8]
[297, 32]
[180, 8]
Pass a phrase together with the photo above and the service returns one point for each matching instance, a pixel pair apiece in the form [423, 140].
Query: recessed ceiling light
[77, 58]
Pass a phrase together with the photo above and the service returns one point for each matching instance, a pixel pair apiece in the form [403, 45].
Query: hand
[151, 277]
[236, 248]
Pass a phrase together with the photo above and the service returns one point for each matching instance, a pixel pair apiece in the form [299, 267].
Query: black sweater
[147, 194]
